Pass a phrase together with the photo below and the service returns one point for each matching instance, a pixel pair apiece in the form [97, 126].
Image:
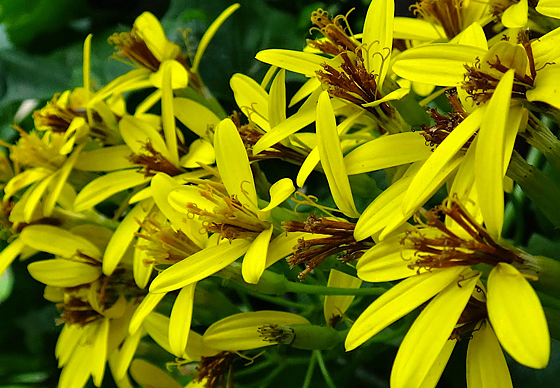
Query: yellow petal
[78, 369]
[336, 305]
[486, 364]
[254, 261]
[196, 348]
[31, 209]
[434, 374]
[443, 155]
[489, 166]
[25, 179]
[416, 29]
[549, 8]
[151, 32]
[386, 261]
[517, 317]
[149, 375]
[296, 61]
[167, 113]
[279, 192]
[387, 151]
[394, 95]
[138, 131]
[124, 234]
[304, 117]
[105, 159]
[9, 253]
[473, 35]
[200, 151]
[199, 266]
[397, 302]
[546, 88]
[305, 90]
[180, 320]
[233, 164]
[377, 215]
[331, 157]
[99, 352]
[308, 165]
[438, 63]
[377, 37]
[209, 34]
[195, 116]
[103, 187]
[58, 241]
[121, 363]
[66, 343]
[428, 335]
[162, 185]
[283, 245]
[144, 309]
[63, 273]
[142, 272]
[239, 331]
[516, 15]
[179, 78]
[251, 98]
[277, 105]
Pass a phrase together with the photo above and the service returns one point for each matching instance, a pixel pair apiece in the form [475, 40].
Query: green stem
[324, 370]
[302, 288]
[540, 189]
[272, 299]
[310, 370]
[86, 217]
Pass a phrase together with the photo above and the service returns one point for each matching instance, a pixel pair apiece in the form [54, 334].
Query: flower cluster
[167, 241]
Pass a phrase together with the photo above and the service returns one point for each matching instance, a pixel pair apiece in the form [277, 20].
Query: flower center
[446, 13]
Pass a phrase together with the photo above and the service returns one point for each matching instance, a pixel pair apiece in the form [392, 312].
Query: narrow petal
[386, 261]
[486, 364]
[279, 192]
[303, 117]
[25, 179]
[58, 241]
[103, 187]
[428, 335]
[201, 151]
[434, 374]
[378, 37]
[387, 151]
[473, 35]
[377, 214]
[252, 99]
[438, 63]
[517, 317]
[277, 105]
[296, 61]
[549, 8]
[125, 354]
[283, 245]
[233, 164]
[489, 166]
[63, 273]
[239, 331]
[308, 165]
[141, 271]
[105, 159]
[9, 253]
[199, 123]
[99, 352]
[210, 32]
[149, 375]
[145, 307]
[254, 261]
[443, 155]
[199, 266]
[180, 320]
[331, 157]
[179, 75]
[124, 234]
[167, 111]
[150, 30]
[397, 302]
[335, 306]
[416, 29]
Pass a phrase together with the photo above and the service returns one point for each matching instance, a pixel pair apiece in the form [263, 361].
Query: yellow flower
[94, 307]
[335, 306]
[436, 262]
[233, 214]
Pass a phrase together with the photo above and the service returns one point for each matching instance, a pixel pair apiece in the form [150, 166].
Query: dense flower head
[193, 241]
